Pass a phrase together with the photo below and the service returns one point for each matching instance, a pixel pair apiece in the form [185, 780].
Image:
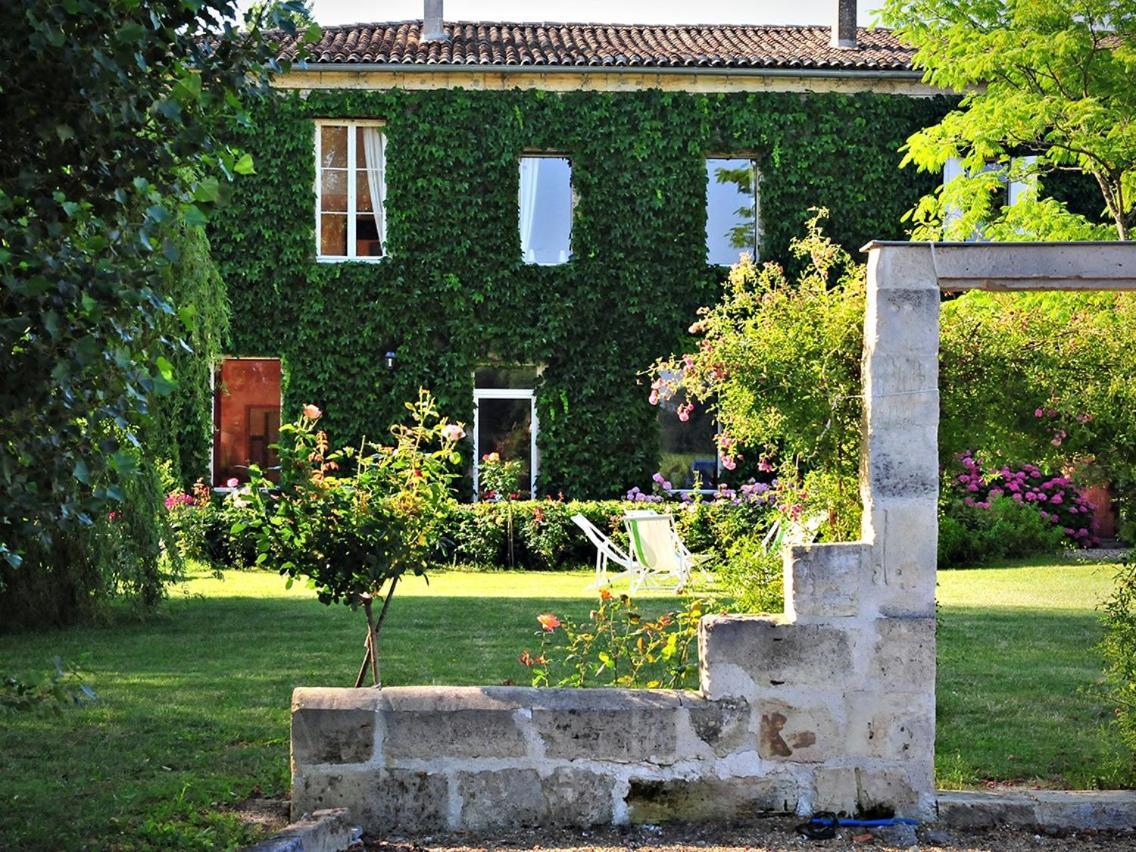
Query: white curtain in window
[374, 152]
[530, 170]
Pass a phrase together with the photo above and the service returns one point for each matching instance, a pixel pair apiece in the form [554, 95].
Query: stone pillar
[899, 478]
[899, 485]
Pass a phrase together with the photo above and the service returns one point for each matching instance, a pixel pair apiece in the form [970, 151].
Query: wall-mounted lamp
[389, 360]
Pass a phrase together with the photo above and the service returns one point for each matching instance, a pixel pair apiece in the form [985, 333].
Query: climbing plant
[454, 292]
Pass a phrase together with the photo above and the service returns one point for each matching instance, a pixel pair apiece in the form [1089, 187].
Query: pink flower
[684, 412]
[728, 462]
[653, 398]
[232, 482]
[312, 412]
[1018, 497]
[1039, 412]
[453, 432]
[548, 621]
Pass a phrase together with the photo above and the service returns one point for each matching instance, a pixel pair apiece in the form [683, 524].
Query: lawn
[192, 715]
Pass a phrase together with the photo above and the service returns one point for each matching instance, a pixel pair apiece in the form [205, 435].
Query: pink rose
[453, 432]
[232, 482]
[312, 412]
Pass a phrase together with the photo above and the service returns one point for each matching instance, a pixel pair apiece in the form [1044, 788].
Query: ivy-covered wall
[454, 293]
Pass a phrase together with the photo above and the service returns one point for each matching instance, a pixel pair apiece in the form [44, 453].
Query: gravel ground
[771, 834]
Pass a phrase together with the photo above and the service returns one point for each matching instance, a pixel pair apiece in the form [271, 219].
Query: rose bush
[355, 520]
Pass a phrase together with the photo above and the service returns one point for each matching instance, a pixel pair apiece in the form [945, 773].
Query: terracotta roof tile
[603, 45]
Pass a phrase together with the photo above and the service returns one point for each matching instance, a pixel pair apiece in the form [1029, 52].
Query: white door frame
[534, 428]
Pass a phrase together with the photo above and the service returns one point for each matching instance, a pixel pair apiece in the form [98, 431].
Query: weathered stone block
[774, 653]
[823, 580]
[903, 559]
[903, 658]
[891, 725]
[578, 797]
[987, 809]
[702, 799]
[900, 375]
[333, 725]
[332, 736]
[803, 734]
[380, 801]
[836, 790]
[507, 798]
[902, 464]
[452, 733]
[905, 266]
[630, 726]
[889, 789]
[903, 321]
[724, 725]
[1102, 810]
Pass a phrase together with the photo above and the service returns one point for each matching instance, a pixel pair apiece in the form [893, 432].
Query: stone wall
[830, 706]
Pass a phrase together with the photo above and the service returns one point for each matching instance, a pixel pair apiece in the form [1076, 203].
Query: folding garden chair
[606, 552]
[662, 557]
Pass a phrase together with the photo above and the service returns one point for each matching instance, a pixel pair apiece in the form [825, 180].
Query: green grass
[192, 713]
[1017, 678]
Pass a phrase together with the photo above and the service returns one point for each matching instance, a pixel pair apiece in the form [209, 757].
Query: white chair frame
[606, 552]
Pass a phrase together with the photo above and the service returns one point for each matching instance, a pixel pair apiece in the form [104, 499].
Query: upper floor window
[545, 209]
[350, 190]
[731, 209]
[1008, 193]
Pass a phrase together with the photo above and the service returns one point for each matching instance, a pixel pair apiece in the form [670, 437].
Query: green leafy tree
[109, 150]
[1047, 88]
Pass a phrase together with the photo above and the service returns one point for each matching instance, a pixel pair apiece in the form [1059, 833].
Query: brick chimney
[843, 26]
[432, 29]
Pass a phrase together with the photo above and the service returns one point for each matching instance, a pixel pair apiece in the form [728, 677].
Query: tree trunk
[371, 646]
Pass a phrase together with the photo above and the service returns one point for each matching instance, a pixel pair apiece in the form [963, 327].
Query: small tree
[1047, 88]
[355, 534]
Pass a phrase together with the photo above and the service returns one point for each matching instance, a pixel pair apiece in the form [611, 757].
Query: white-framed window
[1012, 190]
[505, 423]
[544, 205]
[350, 190]
[732, 221]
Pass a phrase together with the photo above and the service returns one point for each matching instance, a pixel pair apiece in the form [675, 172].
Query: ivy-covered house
[523, 217]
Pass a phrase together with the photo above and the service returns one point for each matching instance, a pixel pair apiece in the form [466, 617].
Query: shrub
[1119, 650]
[752, 577]
[999, 529]
[617, 646]
[1010, 512]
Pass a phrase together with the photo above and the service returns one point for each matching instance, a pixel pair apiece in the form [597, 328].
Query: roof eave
[730, 71]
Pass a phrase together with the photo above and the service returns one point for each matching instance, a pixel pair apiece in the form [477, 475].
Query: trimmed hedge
[477, 534]
[546, 539]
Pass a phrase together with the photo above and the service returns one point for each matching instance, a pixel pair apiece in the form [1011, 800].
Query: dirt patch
[770, 835]
[269, 815]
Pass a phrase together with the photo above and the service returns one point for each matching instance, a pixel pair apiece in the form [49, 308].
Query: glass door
[504, 422]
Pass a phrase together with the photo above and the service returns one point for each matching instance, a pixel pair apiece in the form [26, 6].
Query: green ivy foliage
[454, 292]
[180, 430]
